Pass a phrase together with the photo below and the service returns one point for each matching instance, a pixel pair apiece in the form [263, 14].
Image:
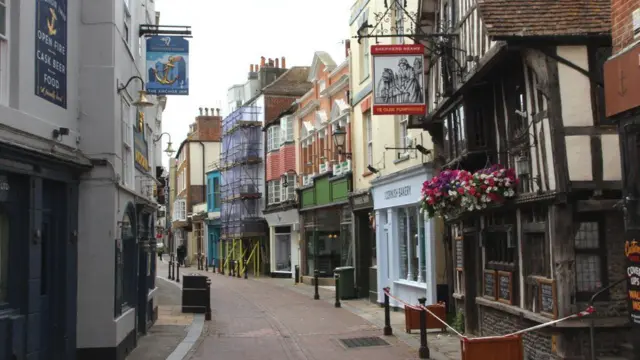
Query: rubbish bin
[194, 294]
[347, 286]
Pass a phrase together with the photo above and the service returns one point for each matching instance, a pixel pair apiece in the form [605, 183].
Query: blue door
[214, 237]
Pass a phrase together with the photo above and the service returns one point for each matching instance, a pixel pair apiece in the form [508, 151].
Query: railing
[592, 330]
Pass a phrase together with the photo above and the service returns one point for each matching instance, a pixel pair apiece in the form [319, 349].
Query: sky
[228, 36]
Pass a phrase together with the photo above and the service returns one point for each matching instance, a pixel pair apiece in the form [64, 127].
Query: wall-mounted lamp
[284, 177]
[60, 132]
[142, 100]
[169, 150]
[372, 169]
[339, 138]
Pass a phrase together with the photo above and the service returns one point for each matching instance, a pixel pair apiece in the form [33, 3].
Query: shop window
[500, 243]
[411, 254]
[4, 258]
[590, 258]
[126, 262]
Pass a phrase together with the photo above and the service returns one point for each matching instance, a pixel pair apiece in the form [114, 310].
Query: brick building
[622, 94]
[195, 156]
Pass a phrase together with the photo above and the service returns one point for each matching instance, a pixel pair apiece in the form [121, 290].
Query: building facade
[281, 206]
[622, 108]
[325, 215]
[536, 110]
[405, 251]
[195, 156]
[212, 221]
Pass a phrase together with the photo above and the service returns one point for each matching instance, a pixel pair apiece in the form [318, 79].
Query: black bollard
[206, 263]
[169, 268]
[245, 269]
[423, 352]
[178, 273]
[239, 268]
[296, 274]
[337, 279]
[221, 265]
[387, 331]
[207, 314]
[316, 295]
[172, 268]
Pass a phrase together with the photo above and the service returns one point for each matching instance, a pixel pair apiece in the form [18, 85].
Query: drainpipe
[204, 195]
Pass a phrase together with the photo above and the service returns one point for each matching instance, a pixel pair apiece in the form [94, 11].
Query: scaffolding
[241, 167]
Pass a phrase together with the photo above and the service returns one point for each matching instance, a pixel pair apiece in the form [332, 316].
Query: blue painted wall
[213, 191]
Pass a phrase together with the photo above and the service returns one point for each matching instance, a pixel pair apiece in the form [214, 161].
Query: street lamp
[142, 100]
[169, 150]
[339, 138]
[284, 176]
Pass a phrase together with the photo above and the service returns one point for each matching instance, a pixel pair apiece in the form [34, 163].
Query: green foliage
[458, 322]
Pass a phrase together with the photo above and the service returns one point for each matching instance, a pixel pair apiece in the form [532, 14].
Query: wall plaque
[489, 284]
[505, 287]
[547, 298]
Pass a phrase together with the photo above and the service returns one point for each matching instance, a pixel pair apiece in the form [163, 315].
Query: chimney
[277, 62]
[256, 67]
[200, 108]
[217, 111]
[251, 68]
[206, 111]
[347, 47]
[284, 63]
[262, 61]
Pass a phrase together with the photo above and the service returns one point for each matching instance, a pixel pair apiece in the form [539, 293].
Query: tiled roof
[293, 83]
[525, 18]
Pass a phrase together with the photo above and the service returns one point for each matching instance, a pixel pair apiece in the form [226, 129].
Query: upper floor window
[273, 138]
[127, 26]
[403, 133]
[213, 193]
[286, 129]
[455, 133]
[180, 210]
[365, 61]
[3, 18]
[368, 137]
[127, 143]
[322, 85]
[289, 188]
[273, 191]
[591, 271]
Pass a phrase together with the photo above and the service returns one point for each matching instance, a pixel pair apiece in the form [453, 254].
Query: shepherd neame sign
[397, 192]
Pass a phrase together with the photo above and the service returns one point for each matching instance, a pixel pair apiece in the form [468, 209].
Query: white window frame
[410, 250]
[286, 130]
[291, 188]
[403, 131]
[365, 66]
[180, 210]
[184, 179]
[274, 190]
[4, 53]
[127, 22]
[369, 137]
[270, 139]
[322, 85]
[127, 142]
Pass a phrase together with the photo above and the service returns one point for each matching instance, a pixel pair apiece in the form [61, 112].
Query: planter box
[505, 348]
[412, 318]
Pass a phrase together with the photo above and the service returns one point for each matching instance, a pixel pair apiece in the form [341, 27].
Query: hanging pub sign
[398, 79]
[140, 146]
[51, 51]
[632, 252]
[167, 65]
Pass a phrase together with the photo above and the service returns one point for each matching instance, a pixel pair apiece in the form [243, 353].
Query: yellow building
[388, 175]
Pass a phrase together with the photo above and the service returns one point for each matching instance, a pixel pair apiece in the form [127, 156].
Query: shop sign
[398, 80]
[51, 51]
[361, 201]
[632, 252]
[140, 146]
[621, 85]
[397, 192]
[168, 65]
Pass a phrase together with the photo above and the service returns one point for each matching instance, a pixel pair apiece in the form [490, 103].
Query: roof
[542, 18]
[293, 83]
[288, 111]
[318, 58]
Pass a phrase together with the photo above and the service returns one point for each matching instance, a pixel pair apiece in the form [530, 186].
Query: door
[53, 275]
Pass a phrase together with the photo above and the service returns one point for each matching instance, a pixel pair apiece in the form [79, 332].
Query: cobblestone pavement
[266, 318]
[170, 328]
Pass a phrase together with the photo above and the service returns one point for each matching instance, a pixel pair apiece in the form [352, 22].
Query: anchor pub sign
[167, 65]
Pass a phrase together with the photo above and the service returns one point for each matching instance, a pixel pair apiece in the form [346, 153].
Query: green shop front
[325, 226]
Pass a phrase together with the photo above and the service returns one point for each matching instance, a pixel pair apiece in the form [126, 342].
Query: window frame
[128, 161]
[217, 200]
[274, 187]
[127, 23]
[365, 62]
[403, 132]
[411, 271]
[286, 130]
[368, 124]
[600, 252]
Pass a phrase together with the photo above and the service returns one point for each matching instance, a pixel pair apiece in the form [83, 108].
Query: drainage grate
[363, 342]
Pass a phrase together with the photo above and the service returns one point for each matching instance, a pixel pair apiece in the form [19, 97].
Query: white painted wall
[579, 158]
[211, 154]
[611, 161]
[575, 88]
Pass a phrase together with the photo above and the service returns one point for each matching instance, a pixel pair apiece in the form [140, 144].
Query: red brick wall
[273, 166]
[279, 162]
[208, 128]
[275, 105]
[621, 22]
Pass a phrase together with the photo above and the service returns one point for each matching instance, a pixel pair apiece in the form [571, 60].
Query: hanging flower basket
[456, 191]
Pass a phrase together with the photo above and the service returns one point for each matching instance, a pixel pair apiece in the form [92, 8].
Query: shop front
[284, 241]
[407, 250]
[365, 245]
[325, 218]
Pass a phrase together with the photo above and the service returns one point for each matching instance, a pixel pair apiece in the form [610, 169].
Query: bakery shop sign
[632, 252]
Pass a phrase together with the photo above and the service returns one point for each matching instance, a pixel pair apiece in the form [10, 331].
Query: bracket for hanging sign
[147, 30]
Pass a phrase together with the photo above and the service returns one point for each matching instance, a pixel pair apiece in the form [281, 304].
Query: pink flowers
[454, 191]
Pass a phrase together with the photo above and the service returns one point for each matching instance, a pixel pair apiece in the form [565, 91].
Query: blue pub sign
[51, 51]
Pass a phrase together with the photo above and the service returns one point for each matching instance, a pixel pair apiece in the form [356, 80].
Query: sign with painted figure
[51, 51]
[140, 146]
[398, 80]
[167, 65]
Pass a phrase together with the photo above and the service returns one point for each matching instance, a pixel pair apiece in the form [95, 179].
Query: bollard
[173, 267]
[387, 331]
[423, 352]
[178, 273]
[239, 266]
[297, 274]
[169, 268]
[206, 263]
[337, 279]
[221, 265]
[316, 295]
[245, 269]
[207, 314]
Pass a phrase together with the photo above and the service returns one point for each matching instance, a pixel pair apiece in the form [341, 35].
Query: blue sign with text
[167, 65]
[51, 51]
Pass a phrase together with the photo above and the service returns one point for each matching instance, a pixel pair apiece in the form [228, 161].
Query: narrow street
[255, 320]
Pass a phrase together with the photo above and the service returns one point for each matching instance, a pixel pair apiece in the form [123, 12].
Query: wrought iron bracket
[147, 30]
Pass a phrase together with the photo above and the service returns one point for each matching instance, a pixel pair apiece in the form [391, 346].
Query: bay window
[289, 190]
[286, 130]
[273, 192]
[273, 138]
[411, 244]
